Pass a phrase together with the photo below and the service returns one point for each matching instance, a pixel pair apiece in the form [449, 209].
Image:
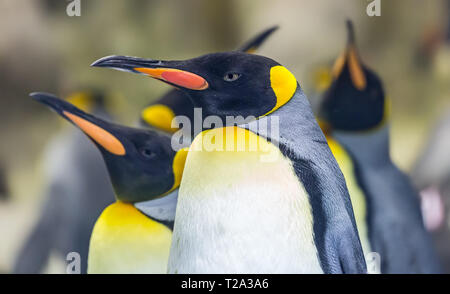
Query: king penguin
[134, 234]
[174, 103]
[357, 111]
[278, 204]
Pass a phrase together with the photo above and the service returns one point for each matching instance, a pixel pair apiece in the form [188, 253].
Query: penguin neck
[126, 241]
[367, 148]
[161, 209]
[297, 127]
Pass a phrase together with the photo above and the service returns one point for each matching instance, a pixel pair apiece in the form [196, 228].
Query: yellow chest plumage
[356, 194]
[126, 241]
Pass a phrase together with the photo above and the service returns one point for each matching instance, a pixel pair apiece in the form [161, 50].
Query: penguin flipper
[350, 255]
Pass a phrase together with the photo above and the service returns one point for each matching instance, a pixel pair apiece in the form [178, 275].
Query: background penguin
[433, 48]
[291, 215]
[74, 197]
[132, 235]
[4, 189]
[431, 174]
[174, 103]
[356, 109]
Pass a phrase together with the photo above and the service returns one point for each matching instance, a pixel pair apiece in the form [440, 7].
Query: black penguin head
[141, 163]
[222, 84]
[88, 99]
[355, 100]
[160, 114]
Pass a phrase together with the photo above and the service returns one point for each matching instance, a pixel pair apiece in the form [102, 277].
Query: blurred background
[43, 49]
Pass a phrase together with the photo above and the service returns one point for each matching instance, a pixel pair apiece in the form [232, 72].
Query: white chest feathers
[239, 212]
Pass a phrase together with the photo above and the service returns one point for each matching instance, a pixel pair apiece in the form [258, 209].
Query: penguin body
[133, 238]
[253, 208]
[134, 234]
[242, 85]
[126, 241]
[357, 111]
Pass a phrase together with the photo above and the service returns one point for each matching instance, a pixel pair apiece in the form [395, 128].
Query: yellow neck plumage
[126, 241]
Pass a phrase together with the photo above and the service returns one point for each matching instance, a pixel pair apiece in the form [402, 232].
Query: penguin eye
[148, 153]
[231, 77]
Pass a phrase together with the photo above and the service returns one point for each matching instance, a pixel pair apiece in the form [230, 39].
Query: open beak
[350, 57]
[100, 131]
[167, 71]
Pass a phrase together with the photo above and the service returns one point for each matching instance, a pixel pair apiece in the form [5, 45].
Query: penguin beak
[171, 72]
[253, 44]
[350, 58]
[101, 132]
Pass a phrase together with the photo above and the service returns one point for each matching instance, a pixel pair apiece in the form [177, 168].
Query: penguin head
[222, 84]
[355, 100]
[160, 114]
[141, 163]
[88, 99]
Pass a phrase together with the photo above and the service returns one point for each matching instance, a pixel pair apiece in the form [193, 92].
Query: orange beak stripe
[356, 71]
[177, 77]
[99, 135]
[339, 65]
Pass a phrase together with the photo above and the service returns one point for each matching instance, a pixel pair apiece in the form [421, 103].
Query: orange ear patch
[177, 77]
[99, 135]
[356, 71]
